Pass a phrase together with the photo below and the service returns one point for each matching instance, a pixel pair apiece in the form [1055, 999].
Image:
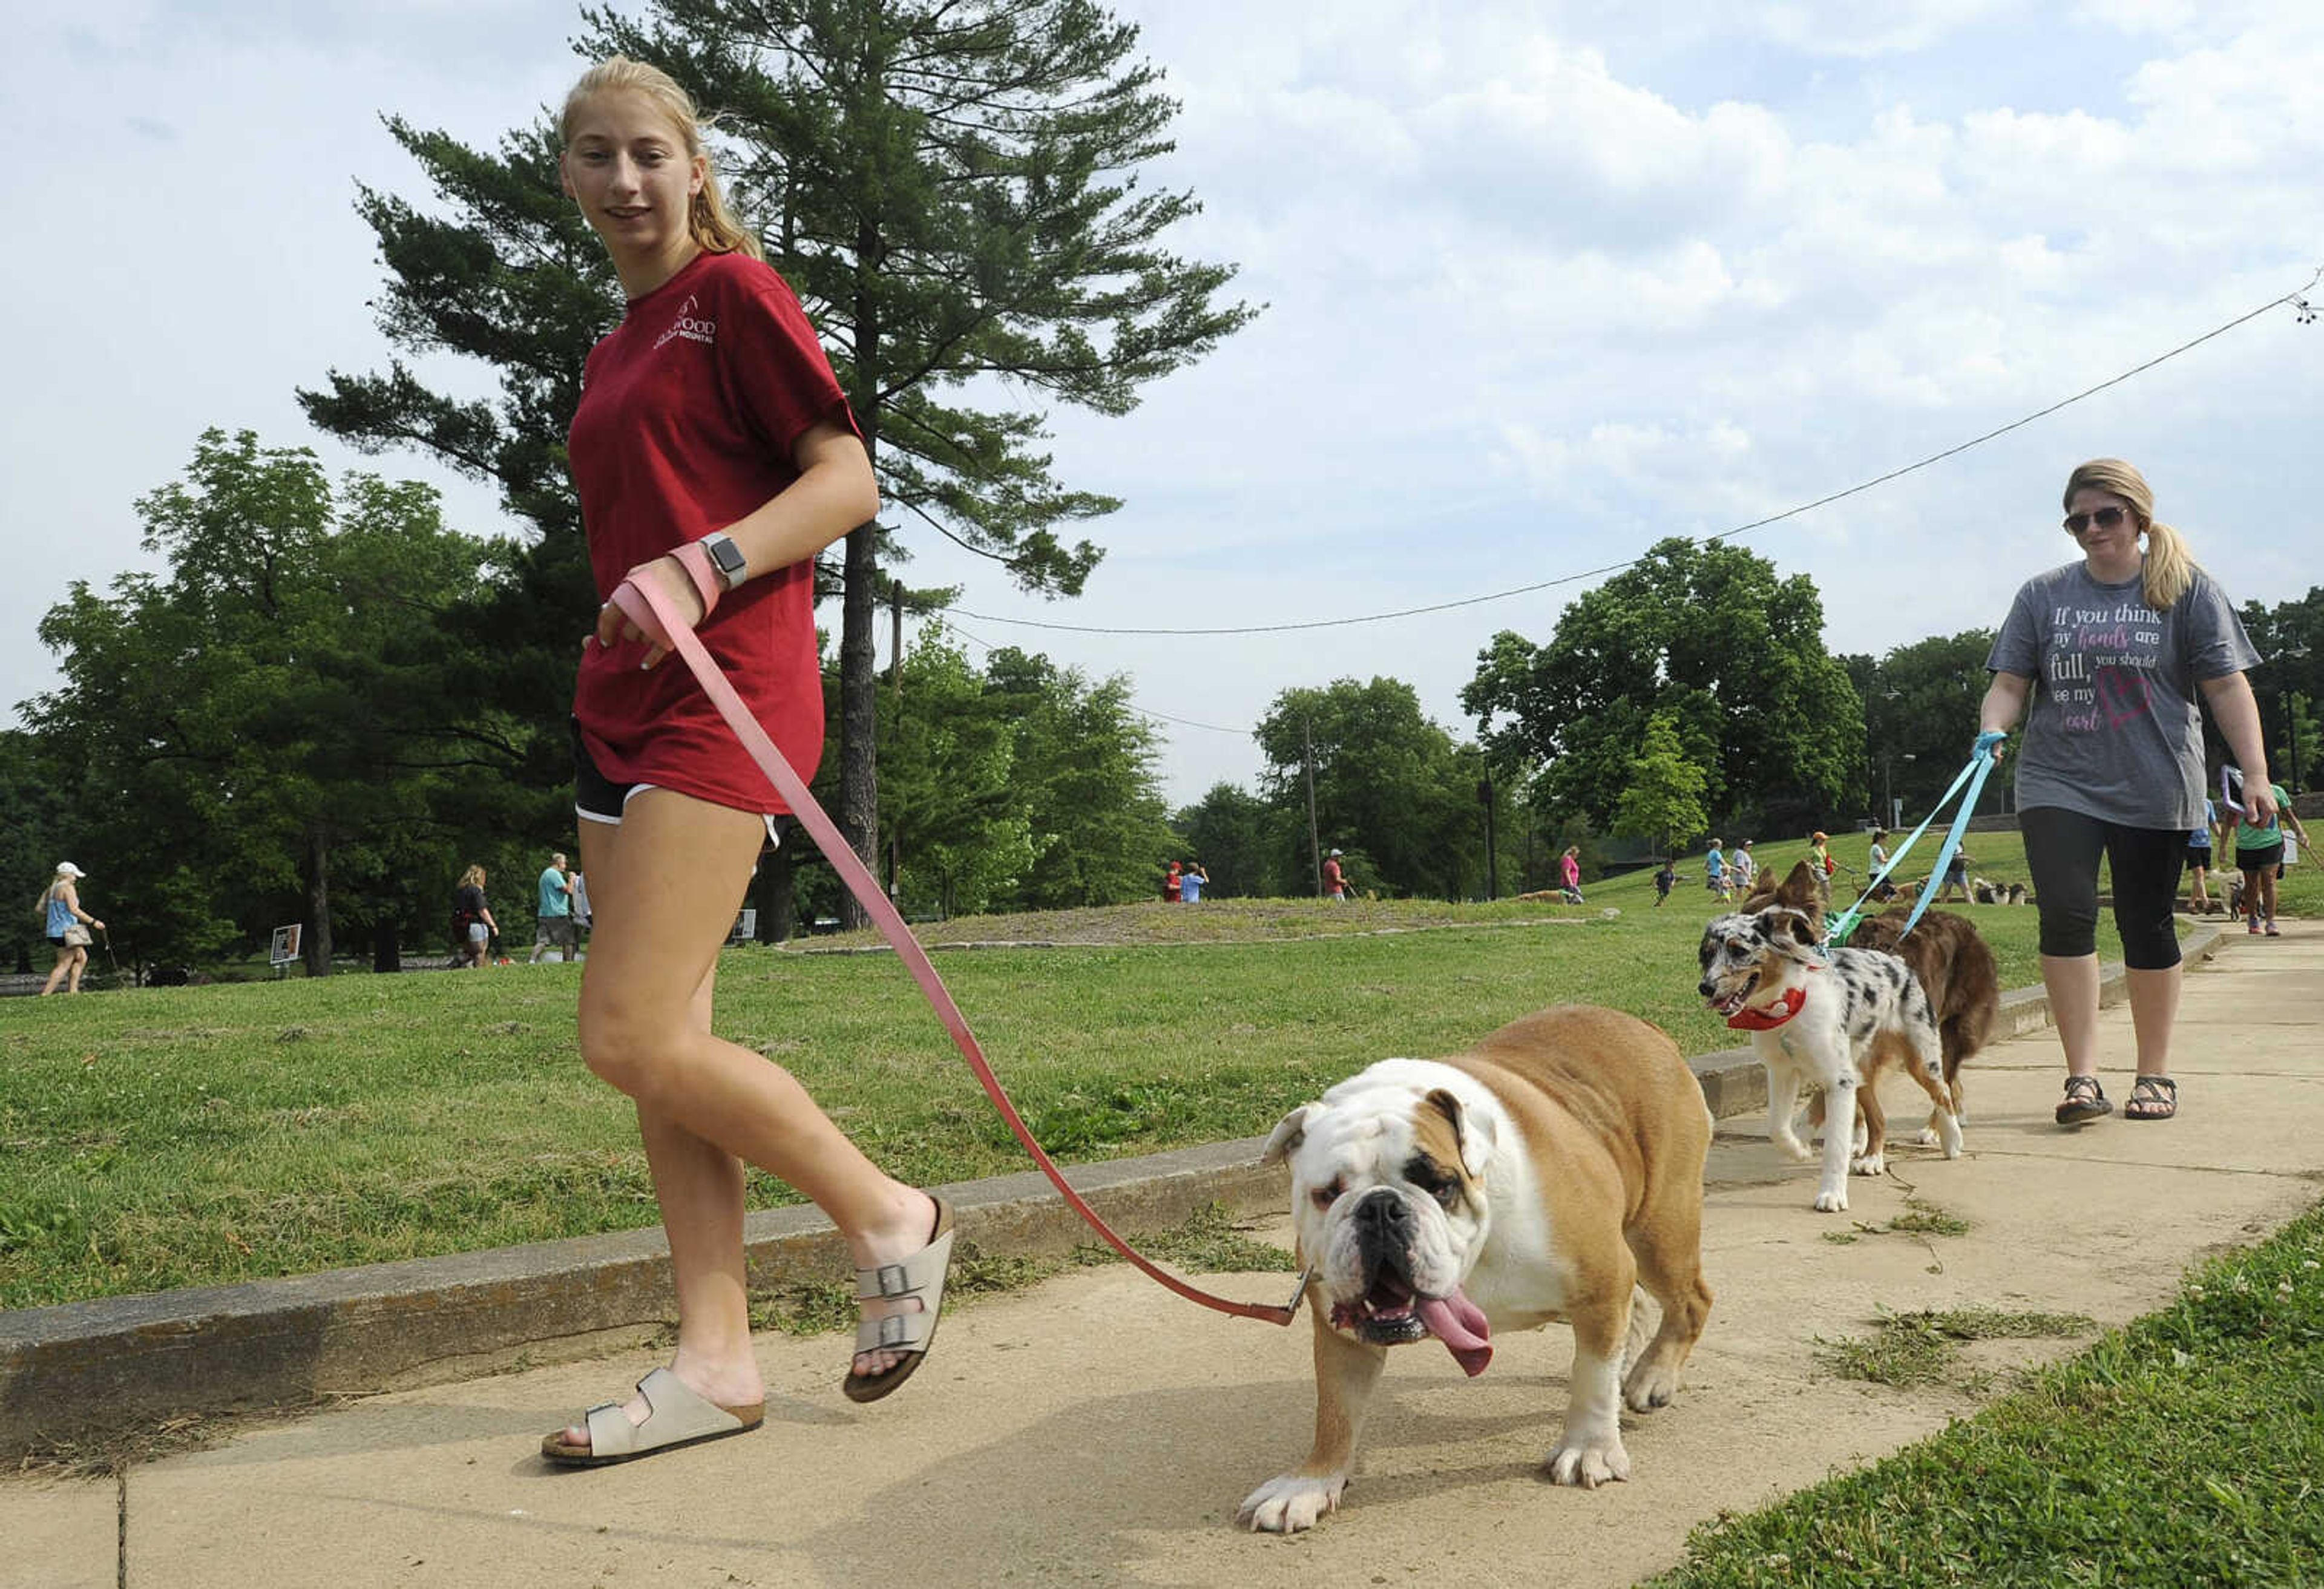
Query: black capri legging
[2061, 851]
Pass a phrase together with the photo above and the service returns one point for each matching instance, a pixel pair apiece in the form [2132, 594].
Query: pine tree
[952, 189]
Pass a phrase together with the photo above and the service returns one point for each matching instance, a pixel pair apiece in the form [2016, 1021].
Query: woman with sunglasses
[2120, 646]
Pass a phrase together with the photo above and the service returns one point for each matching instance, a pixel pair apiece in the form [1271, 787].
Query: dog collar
[1774, 1016]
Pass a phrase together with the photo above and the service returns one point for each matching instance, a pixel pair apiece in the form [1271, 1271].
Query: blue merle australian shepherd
[1828, 1020]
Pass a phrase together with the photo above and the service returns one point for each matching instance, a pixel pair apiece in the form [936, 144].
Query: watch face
[727, 556]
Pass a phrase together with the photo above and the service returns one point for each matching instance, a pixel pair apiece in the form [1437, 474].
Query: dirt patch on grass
[1221, 921]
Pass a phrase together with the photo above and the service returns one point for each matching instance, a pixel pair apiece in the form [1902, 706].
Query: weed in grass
[1923, 1347]
[1922, 1218]
[1840, 1238]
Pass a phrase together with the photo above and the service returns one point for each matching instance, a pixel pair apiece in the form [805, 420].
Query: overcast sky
[1545, 284]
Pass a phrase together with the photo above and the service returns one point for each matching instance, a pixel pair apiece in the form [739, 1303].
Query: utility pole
[1307, 759]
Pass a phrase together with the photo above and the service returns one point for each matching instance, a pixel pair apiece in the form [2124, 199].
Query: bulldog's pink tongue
[1461, 1325]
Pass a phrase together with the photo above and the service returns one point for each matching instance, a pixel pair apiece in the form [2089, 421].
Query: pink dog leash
[650, 611]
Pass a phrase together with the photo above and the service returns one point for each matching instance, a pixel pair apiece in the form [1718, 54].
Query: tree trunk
[858, 714]
[314, 868]
[859, 780]
[778, 890]
[386, 946]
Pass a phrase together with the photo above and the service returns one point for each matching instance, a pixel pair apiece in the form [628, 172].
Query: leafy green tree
[1245, 844]
[1706, 634]
[281, 716]
[1083, 771]
[959, 826]
[1920, 717]
[2288, 682]
[1391, 786]
[39, 794]
[1663, 800]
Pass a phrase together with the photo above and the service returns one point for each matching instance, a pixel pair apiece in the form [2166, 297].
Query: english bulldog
[1551, 1172]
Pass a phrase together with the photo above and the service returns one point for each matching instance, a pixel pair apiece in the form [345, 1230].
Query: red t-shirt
[689, 411]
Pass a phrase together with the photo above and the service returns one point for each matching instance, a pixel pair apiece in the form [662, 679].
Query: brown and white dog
[1829, 1020]
[1955, 967]
[1552, 1171]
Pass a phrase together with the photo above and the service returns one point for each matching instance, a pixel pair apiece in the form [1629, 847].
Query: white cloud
[1538, 300]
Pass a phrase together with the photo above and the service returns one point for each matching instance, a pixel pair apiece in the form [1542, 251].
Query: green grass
[2185, 1449]
[156, 1138]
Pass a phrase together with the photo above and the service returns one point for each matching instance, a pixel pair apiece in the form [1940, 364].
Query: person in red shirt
[1171, 884]
[714, 456]
[1335, 881]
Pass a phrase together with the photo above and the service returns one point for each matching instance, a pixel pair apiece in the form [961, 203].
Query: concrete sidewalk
[1095, 1430]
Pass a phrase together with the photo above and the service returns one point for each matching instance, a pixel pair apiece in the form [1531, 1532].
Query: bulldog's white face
[1387, 1192]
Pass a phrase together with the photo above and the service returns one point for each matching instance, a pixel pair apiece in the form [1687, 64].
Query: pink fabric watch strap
[696, 562]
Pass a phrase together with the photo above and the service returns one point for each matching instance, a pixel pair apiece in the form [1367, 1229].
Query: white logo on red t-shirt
[690, 326]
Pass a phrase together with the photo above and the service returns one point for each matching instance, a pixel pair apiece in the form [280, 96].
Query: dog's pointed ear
[1476, 1134]
[1799, 883]
[1285, 1139]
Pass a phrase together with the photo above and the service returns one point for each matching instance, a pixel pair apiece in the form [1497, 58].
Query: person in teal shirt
[554, 917]
[2259, 851]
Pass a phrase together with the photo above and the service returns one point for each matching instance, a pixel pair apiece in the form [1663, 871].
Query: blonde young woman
[714, 456]
[64, 921]
[476, 918]
[2122, 643]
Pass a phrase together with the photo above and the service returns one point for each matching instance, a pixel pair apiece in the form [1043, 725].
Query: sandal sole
[862, 1389]
[554, 1451]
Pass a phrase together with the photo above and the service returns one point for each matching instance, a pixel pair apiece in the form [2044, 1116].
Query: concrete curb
[86, 1371]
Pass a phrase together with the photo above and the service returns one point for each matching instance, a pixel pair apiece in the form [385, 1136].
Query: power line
[2295, 299]
[1142, 712]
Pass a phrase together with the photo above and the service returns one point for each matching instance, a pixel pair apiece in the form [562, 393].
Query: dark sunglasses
[2104, 518]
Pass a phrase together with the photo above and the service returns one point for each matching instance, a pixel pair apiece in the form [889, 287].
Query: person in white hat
[1335, 881]
[68, 927]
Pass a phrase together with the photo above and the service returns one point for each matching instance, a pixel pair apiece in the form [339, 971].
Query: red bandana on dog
[1772, 1016]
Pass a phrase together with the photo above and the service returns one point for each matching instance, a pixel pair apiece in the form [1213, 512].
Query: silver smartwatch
[726, 557]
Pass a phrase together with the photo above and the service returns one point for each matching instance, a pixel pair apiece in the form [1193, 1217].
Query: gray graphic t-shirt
[2112, 730]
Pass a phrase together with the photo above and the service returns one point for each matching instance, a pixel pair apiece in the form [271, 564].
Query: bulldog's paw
[1869, 1164]
[1793, 1148]
[1652, 1383]
[1831, 1200]
[1290, 1503]
[1589, 1462]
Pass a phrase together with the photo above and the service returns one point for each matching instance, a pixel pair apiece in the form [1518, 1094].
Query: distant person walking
[66, 926]
[554, 919]
[1335, 881]
[472, 918]
[2123, 643]
[1714, 870]
[1173, 883]
[2259, 853]
[1569, 871]
[1665, 875]
[1745, 866]
[1192, 881]
[2199, 860]
[1876, 862]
